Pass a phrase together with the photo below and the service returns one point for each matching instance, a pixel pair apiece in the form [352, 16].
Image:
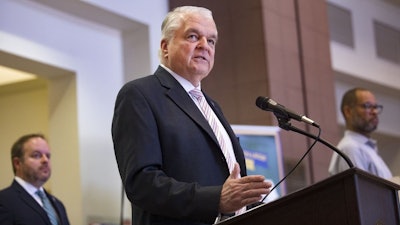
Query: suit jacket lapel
[30, 201]
[235, 144]
[178, 94]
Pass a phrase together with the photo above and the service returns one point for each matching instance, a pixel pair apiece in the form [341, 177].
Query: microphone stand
[284, 124]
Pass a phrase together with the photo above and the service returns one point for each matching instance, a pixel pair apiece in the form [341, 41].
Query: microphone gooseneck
[284, 115]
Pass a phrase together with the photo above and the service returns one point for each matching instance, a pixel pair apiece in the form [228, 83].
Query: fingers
[253, 178]
[254, 190]
[254, 184]
[239, 192]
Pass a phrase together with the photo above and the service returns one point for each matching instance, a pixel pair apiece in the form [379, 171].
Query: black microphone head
[262, 103]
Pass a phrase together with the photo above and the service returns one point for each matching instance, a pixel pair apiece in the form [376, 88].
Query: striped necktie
[51, 213]
[212, 120]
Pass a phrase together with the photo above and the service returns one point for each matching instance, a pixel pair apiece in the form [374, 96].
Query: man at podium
[178, 157]
[360, 111]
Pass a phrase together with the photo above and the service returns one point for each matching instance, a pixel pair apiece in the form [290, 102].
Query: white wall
[362, 62]
[361, 66]
[148, 12]
[94, 51]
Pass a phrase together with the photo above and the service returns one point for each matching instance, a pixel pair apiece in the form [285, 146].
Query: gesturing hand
[239, 192]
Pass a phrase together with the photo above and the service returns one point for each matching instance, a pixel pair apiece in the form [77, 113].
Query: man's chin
[43, 180]
[201, 68]
[44, 177]
[202, 72]
[371, 129]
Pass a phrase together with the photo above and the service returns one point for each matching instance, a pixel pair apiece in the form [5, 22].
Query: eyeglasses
[369, 107]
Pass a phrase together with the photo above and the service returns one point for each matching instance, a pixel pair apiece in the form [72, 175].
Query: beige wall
[24, 109]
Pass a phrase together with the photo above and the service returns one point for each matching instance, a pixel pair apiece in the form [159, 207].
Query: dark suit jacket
[168, 156]
[18, 207]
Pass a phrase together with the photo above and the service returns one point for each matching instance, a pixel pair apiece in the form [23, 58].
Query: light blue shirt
[363, 156]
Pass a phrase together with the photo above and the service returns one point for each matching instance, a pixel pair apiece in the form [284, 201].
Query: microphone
[268, 104]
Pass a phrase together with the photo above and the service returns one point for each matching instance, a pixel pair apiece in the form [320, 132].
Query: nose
[45, 158]
[202, 43]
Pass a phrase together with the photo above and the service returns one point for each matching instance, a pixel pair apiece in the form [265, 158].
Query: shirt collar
[182, 81]
[360, 138]
[27, 186]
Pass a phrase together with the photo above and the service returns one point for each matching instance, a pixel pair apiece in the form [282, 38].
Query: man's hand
[239, 192]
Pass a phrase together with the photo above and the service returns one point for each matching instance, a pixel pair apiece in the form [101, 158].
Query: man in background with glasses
[360, 111]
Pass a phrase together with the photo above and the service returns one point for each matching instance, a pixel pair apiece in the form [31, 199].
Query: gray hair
[174, 19]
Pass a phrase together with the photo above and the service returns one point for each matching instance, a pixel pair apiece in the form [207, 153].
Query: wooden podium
[353, 197]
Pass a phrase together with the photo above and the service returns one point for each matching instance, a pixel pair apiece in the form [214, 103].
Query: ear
[16, 162]
[164, 48]
[347, 111]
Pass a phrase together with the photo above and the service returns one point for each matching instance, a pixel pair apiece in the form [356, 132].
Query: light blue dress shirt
[362, 152]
